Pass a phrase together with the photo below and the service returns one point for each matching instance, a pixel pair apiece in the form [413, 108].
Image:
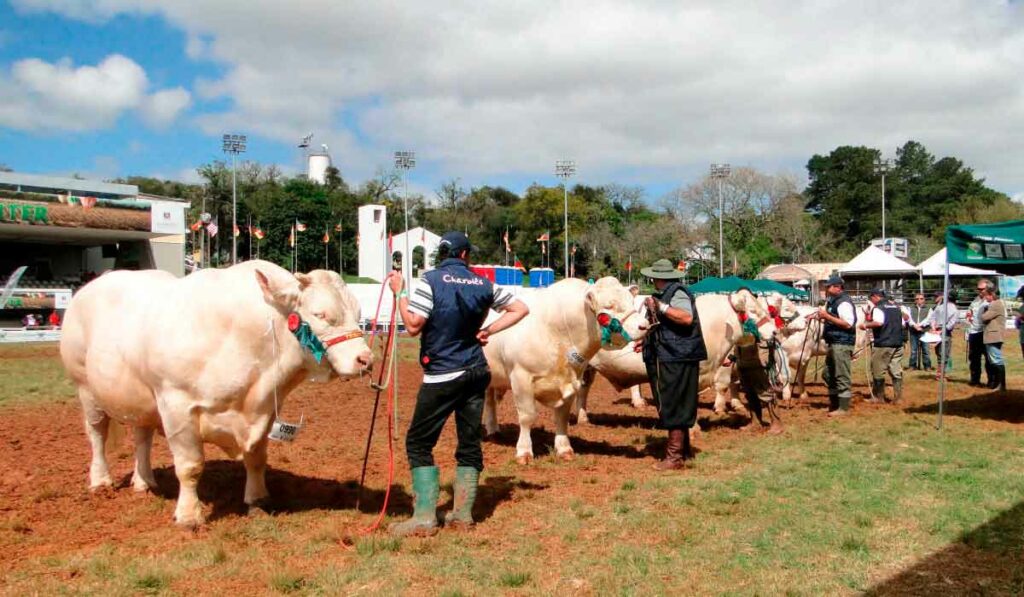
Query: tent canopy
[713, 285]
[873, 261]
[935, 267]
[786, 272]
[996, 246]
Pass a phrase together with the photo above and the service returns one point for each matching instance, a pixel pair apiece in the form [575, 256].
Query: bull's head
[746, 304]
[612, 308]
[321, 300]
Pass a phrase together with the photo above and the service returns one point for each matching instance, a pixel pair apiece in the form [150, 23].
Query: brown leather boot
[673, 452]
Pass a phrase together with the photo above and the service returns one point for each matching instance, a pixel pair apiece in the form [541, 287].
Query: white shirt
[846, 313]
[976, 308]
[878, 316]
[951, 315]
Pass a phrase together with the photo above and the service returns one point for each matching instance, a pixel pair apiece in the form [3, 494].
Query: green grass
[32, 374]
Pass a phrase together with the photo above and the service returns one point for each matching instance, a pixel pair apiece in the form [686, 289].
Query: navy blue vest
[461, 302]
[834, 334]
[672, 342]
[890, 335]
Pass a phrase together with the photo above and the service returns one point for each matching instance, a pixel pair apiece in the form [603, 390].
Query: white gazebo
[935, 267]
[876, 263]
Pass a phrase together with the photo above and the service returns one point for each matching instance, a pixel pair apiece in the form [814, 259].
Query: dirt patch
[46, 510]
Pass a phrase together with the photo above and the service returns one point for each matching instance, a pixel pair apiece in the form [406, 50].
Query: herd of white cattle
[210, 358]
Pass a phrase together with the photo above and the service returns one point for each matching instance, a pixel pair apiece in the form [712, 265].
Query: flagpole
[250, 237]
[341, 255]
[295, 244]
[327, 246]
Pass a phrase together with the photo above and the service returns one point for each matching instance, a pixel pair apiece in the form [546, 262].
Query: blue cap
[834, 280]
[456, 242]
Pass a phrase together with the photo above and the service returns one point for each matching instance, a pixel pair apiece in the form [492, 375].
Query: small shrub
[513, 580]
[629, 485]
[372, 546]
[287, 582]
[151, 583]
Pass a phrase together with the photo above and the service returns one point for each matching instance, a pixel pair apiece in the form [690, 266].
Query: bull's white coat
[196, 358]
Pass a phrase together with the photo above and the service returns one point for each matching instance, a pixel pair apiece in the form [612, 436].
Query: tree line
[766, 218]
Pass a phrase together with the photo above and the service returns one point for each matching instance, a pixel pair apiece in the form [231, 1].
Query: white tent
[935, 267]
[873, 261]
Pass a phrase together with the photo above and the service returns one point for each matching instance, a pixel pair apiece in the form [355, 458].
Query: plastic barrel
[501, 275]
[536, 278]
[549, 276]
[518, 280]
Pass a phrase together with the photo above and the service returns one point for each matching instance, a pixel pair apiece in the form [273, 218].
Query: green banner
[24, 212]
[998, 246]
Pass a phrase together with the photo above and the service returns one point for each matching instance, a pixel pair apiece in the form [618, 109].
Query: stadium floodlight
[721, 172]
[405, 161]
[882, 168]
[234, 144]
[565, 169]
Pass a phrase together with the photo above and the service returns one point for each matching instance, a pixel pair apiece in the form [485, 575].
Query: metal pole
[406, 256]
[341, 252]
[883, 212]
[234, 213]
[721, 242]
[944, 350]
[565, 226]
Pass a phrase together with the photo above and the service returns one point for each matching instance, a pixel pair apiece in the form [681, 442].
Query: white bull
[542, 358]
[720, 325]
[202, 359]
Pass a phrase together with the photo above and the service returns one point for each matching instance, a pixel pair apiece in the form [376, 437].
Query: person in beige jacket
[994, 315]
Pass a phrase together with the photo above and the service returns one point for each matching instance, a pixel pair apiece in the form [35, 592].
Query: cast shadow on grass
[986, 404]
[988, 560]
[492, 492]
[544, 441]
[222, 486]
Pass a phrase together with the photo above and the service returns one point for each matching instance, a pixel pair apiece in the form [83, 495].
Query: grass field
[880, 502]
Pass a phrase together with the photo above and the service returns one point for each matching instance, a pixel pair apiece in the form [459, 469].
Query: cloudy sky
[493, 92]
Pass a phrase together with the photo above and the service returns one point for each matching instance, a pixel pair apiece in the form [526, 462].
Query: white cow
[202, 359]
[720, 325]
[542, 358]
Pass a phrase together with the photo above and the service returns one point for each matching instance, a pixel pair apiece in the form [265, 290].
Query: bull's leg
[562, 446]
[526, 407]
[636, 398]
[255, 473]
[97, 425]
[186, 446]
[491, 412]
[801, 376]
[142, 478]
[586, 380]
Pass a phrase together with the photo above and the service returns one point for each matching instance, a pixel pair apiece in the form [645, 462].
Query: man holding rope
[840, 319]
[449, 308]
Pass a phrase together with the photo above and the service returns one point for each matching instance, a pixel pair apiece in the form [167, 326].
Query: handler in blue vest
[673, 350]
[885, 320]
[449, 308]
[840, 334]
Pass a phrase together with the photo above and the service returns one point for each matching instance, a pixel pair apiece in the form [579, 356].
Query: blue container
[501, 275]
[517, 277]
[536, 278]
[549, 276]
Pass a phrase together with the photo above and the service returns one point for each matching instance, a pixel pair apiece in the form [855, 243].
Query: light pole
[720, 171]
[882, 168]
[405, 161]
[565, 169]
[234, 144]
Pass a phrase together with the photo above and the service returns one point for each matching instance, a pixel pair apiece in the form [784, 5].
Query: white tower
[374, 260]
[317, 163]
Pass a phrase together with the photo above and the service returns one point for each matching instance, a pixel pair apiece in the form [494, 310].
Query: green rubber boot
[425, 490]
[461, 516]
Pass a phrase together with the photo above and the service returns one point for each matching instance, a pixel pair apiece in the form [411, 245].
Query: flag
[508, 248]
[337, 227]
[543, 249]
[681, 266]
[88, 202]
[258, 233]
[299, 226]
[327, 237]
[196, 226]
[629, 265]
[423, 235]
[236, 231]
[544, 238]
[211, 229]
[291, 237]
[519, 265]
[390, 243]
[357, 239]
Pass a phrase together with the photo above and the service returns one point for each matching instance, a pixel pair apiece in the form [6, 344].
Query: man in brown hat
[673, 350]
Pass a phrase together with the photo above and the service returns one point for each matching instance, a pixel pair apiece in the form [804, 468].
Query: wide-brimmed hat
[662, 269]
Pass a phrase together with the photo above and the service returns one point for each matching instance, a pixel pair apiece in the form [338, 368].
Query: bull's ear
[265, 287]
[592, 301]
[304, 280]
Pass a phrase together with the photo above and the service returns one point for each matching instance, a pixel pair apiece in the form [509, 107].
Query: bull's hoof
[805, 396]
[567, 456]
[100, 483]
[192, 524]
[582, 418]
[639, 405]
[524, 459]
[142, 485]
[263, 504]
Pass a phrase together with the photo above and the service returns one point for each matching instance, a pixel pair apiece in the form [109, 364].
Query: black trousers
[975, 353]
[463, 396]
[674, 386]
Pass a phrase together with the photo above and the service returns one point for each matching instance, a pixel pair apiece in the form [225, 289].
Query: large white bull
[720, 325]
[202, 359]
[542, 358]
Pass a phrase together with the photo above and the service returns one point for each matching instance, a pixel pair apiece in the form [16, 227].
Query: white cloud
[38, 95]
[163, 107]
[489, 88]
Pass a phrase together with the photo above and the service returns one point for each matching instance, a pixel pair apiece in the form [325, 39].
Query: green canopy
[994, 246]
[713, 285]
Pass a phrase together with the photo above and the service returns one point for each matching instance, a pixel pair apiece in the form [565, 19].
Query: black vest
[834, 334]
[462, 300]
[890, 335]
[672, 342]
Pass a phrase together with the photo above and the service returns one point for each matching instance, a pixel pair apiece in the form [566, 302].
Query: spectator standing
[975, 341]
[1020, 326]
[919, 313]
[943, 320]
[885, 320]
[840, 334]
[994, 315]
